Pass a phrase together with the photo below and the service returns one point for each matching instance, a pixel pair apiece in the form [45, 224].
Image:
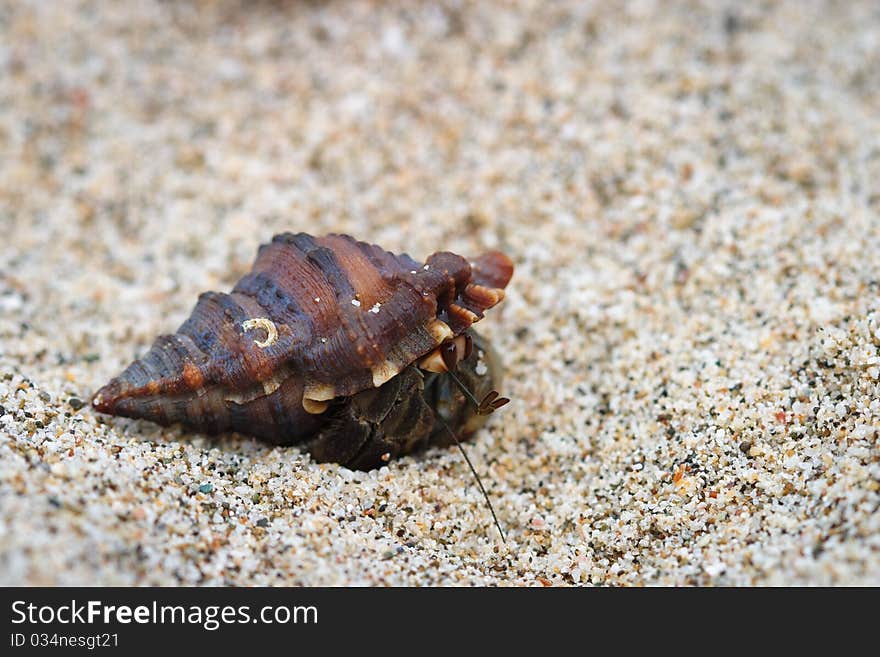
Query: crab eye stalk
[449, 353]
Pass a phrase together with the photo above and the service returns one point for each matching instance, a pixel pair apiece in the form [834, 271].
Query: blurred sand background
[690, 194]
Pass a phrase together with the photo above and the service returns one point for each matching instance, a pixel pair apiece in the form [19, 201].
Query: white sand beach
[691, 337]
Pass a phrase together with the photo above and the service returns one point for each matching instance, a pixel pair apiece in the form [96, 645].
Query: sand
[692, 335]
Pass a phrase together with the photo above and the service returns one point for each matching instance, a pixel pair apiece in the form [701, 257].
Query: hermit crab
[358, 354]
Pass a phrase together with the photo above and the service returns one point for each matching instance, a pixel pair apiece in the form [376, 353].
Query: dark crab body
[329, 342]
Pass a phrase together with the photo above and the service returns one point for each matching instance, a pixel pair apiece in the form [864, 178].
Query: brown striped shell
[316, 319]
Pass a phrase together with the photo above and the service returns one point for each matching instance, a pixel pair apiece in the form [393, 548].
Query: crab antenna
[464, 389]
[476, 476]
[491, 402]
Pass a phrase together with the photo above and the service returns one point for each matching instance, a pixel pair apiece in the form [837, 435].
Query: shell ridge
[351, 322]
[279, 304]
[323, 261]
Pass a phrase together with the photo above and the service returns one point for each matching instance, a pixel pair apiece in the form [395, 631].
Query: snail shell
[318, 326]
